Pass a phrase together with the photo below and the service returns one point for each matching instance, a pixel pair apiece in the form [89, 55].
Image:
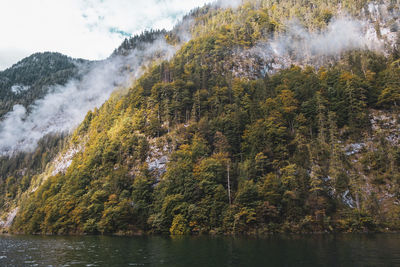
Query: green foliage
[179, 226]
[245, 155]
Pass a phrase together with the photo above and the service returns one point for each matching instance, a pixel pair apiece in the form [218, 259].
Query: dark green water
[303, 250]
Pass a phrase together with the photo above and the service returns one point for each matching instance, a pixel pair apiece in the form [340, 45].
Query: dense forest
[196, 146]
[138, 41]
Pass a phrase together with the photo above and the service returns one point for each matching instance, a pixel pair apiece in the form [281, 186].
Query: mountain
[274, 117]
[27, 142]
[26, 82]
[31, 78]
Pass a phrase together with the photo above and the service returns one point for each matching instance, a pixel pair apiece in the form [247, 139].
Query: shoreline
[257, 235]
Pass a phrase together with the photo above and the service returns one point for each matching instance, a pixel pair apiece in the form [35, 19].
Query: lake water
[299, 250]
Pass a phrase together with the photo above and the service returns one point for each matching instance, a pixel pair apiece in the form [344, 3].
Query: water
[301, 250]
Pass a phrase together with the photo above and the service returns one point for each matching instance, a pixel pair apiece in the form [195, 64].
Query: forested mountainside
[253, 126]
[91, 80]
[25, 82]
[30, 78]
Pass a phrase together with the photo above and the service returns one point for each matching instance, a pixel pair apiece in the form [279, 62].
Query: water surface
[299, 250]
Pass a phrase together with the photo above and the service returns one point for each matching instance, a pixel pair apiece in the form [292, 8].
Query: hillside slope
[223, 138]
[33, 137]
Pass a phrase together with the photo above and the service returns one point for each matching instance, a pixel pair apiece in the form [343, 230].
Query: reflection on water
[301, 250]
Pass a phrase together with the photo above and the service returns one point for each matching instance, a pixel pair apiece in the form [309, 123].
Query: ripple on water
[324, 250]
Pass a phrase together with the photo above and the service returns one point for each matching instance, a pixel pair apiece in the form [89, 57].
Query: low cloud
[341, 35]
[65, 107]
[228, 3]
[297, 45]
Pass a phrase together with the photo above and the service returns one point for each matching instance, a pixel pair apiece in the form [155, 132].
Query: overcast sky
[89, 29]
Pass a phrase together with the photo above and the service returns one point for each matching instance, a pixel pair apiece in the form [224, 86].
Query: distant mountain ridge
[138, 41]
[30, 78]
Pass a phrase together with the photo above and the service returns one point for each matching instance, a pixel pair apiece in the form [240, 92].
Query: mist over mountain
[62, 106]
[249, 117]
[30, 78]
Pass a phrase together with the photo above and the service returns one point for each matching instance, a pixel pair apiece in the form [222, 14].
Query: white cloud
[228, 3]
[65, 106]
[80, 28]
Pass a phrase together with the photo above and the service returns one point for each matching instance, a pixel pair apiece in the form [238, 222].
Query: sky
[89, 29]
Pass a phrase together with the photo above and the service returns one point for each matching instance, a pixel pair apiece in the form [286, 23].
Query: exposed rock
[387, 123]
[158, 156]
[64, 160]
[355, 148]
[10, 218]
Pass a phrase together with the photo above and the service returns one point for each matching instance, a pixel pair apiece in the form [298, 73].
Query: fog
[297, 45]
[66, 106]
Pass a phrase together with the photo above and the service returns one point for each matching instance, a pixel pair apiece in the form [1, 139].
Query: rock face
[388, 124]
[64, 160]
[158, 156]
[9, 219]
[377, 145]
